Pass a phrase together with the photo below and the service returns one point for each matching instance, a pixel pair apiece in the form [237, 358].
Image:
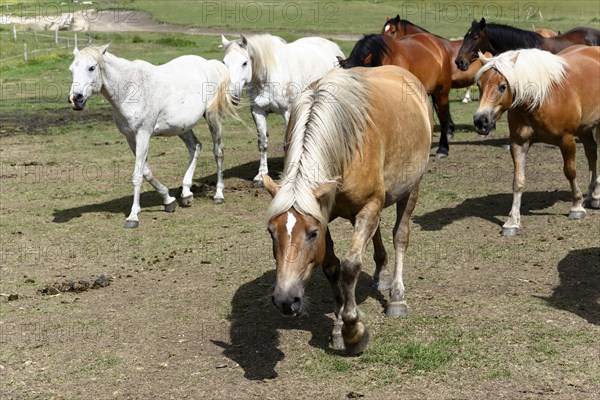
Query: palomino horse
[423, 54]
[497, 39]
[352, 151]
[550, 99]
[276, 73]
[149, 100]
[397, 28]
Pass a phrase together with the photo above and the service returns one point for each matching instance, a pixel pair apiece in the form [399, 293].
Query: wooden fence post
[25, 51]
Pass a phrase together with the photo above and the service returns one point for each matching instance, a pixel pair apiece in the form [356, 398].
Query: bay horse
[497, 39]
[353, 149]
[149, 100]
[423, 54]
[551, 99]
[397, 28]
[546, 32]
[276, 72]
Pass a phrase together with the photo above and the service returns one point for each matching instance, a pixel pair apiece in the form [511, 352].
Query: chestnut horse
[423, 54]
[551, 99]
[497, 39]
[397, 28]
[353, 149]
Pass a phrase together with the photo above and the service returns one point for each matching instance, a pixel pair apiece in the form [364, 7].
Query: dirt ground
[187, 313]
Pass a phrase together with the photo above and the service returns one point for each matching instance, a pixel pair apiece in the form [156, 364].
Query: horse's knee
[350, 269]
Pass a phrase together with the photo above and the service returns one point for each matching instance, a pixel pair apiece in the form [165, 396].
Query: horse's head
[298, 246]
[237, 60]
[391, 27]
[495, 97]
[86, 75]
[475, 40]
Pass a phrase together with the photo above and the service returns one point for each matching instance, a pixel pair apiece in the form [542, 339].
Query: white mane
[260, 49]
[95, 52]
[531, 74]
[327, 126]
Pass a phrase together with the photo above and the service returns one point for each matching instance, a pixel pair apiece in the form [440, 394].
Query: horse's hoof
[170, 208]
[510, 232]
[397, 309]
[355, 348]
[450, 135]
[337, 342]
[187, 200]
[595, 203]
[218, 200]
[578, 214]
[258, 183]
[440, 155]
[465, 101]
[383, 284]
[506, 147]
[131, 224]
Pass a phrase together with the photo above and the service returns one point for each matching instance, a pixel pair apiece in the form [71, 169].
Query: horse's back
[396, 150]
[314, 57]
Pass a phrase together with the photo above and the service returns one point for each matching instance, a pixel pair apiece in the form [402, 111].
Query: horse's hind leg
[442, 108]
[331, 268]
[591, 152]
[260, 120]
[567, 148]
[214, 125]
[139, 145]
[193, 146]
[381, 277]
[397, 306]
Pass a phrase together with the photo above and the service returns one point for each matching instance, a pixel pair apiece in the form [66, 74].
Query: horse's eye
[502, 88]
[92, 68]
[245, 64]
[312, 235]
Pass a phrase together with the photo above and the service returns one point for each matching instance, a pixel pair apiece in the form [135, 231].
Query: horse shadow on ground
[579, 288]
[254, 337]
[204, 187]
[487, 207]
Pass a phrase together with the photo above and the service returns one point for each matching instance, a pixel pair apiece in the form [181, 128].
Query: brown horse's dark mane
[373, 45]
[504, 37]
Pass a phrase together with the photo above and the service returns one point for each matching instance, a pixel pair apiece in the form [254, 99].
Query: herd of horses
[350, 151]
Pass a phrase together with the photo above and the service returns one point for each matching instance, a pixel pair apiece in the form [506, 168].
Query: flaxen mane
[328, 124]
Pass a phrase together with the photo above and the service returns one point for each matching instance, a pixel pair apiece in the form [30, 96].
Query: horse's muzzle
[288, 305]
[77, 101]
[484, 122]
[462, 65]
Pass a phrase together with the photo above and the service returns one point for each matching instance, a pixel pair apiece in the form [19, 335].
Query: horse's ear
[340, 61]
[398, 17]
[368, 59]
[514, 56]
[325, 193]
[75, 51]
[104, 48]
[244, 41]
[224, 41]
[270, 185]
[482, 23]
[388, 18]
[482, 58]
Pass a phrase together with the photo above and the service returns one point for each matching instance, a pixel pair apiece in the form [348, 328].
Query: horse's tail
[222, 102]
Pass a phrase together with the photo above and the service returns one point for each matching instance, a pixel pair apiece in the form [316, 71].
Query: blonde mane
[328, 123]
[531, 73]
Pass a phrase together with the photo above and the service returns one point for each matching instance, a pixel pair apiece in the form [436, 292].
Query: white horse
[149, 100]
[276, 73]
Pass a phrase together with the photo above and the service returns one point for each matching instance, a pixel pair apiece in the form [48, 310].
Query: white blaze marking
[289, 225]
[387, 28]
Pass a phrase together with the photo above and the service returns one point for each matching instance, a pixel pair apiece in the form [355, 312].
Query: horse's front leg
[139, 145]
[214, 125]
[331, 268]
[591, 152]
[260, 119]
[567, 148]
[354, 332]
[193, 146]
[518, 151]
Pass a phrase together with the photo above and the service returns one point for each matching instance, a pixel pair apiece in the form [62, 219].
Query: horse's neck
[262, 81]
[554, 44]
[117, 75]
